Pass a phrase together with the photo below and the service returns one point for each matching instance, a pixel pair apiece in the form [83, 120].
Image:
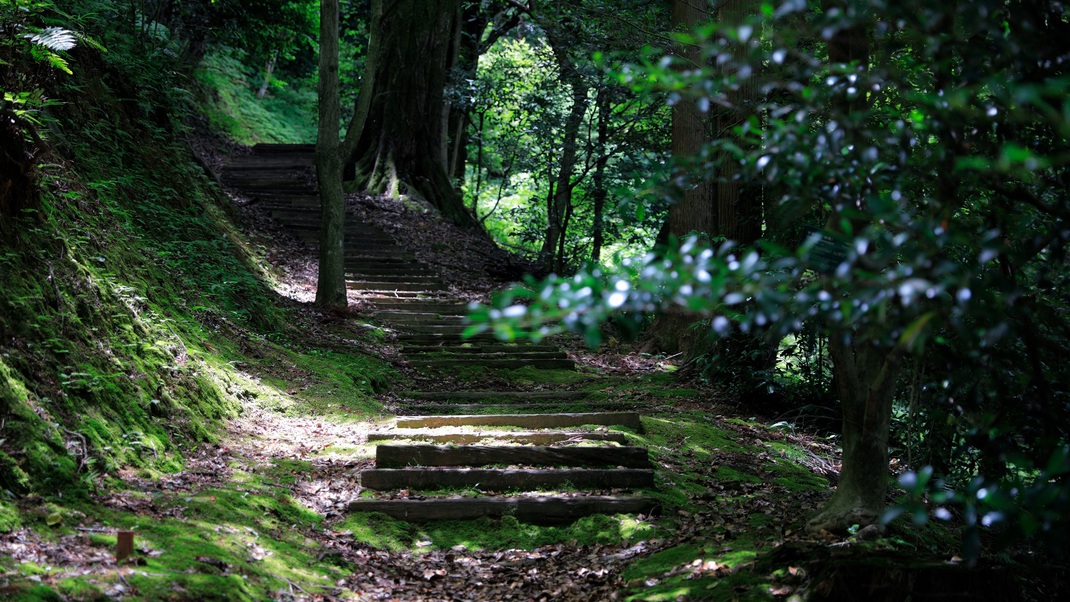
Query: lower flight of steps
[429, 454]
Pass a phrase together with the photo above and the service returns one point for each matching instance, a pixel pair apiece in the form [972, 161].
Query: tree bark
[561, 202]
[866, 378]
[694, 210]
[739, 205]
[330, 283]
[269, 69]
[398, 135]
[602, 105]
[864, 374]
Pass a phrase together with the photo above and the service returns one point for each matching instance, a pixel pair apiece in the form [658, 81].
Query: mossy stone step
[530, 421]
[537, 510]
[421, 305]
[538, 407]
[508, 363]
[493, 395]
[417, 316]
[412, 287]
[444, 341]
[395, 268]
[280, 148]
[530, 437]
[401, 456]
[463, 349]
[373, 297]
[360, 276]
[355, 260]
[519, 479]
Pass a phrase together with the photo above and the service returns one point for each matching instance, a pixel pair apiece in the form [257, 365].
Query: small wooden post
[124, 545]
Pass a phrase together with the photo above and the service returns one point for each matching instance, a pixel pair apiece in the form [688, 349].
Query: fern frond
[59, 63]
[56, 39]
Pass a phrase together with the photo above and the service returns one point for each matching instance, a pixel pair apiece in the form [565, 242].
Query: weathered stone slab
[539, 510]
[531, 437]
[539, 421]
[400, 456]
[531, 479]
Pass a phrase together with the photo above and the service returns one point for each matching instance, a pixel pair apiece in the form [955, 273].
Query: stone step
[530, 437]
[489, 479]
[421, 305]
[530, 421]
[373, 296]
[493, 395]
[401, 456]
[443, 341]
[508, 363]
[388, 287]
[539, 407]
[538, 510]
[396, 268]
[417, 316]
[481, 349]
[276, 148]
[411, 278]
[356, 259]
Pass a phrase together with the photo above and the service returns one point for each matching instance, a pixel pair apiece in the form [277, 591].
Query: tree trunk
[865, 375]
[269, 69]
[398, 135]
[330, 283]
[694, 210]
[602, 105]
[739, 205]
[561, 201]
[866, 378]
[708, 207]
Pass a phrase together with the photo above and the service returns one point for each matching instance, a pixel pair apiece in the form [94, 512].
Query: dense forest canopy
[852, 208]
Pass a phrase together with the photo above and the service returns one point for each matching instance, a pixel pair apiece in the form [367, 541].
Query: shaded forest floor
[261, 513]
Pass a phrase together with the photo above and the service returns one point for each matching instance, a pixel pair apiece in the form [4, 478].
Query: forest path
[475, 466]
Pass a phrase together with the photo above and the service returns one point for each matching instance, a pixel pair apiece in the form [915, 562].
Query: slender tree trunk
[397, 138]
[599, 180]
[330, 284]
[562, 199]
[269, 69]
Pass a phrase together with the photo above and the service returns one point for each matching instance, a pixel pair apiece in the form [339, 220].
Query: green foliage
[518, 103]
[228, 99]
[940, 178]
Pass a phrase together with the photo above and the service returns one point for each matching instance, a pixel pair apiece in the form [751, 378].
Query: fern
[56, 39]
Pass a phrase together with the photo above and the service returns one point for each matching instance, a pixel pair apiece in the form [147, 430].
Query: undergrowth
[129, 296]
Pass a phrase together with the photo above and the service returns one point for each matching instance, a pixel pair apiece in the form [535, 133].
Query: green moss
[39, 593]
[726, 474]
[381, 531]
[9, 517]
[79, 589]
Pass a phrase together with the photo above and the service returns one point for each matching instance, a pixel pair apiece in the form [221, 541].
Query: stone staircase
[462, 449]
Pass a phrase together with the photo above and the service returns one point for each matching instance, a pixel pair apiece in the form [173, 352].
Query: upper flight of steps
[556, 468]
[406, 294]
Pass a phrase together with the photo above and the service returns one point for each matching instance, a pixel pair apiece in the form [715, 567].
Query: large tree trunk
[866, 378]
[330, 284]
[399, 131]
[708, 207]
[865, 375]
[694, 211]
[739, 204]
